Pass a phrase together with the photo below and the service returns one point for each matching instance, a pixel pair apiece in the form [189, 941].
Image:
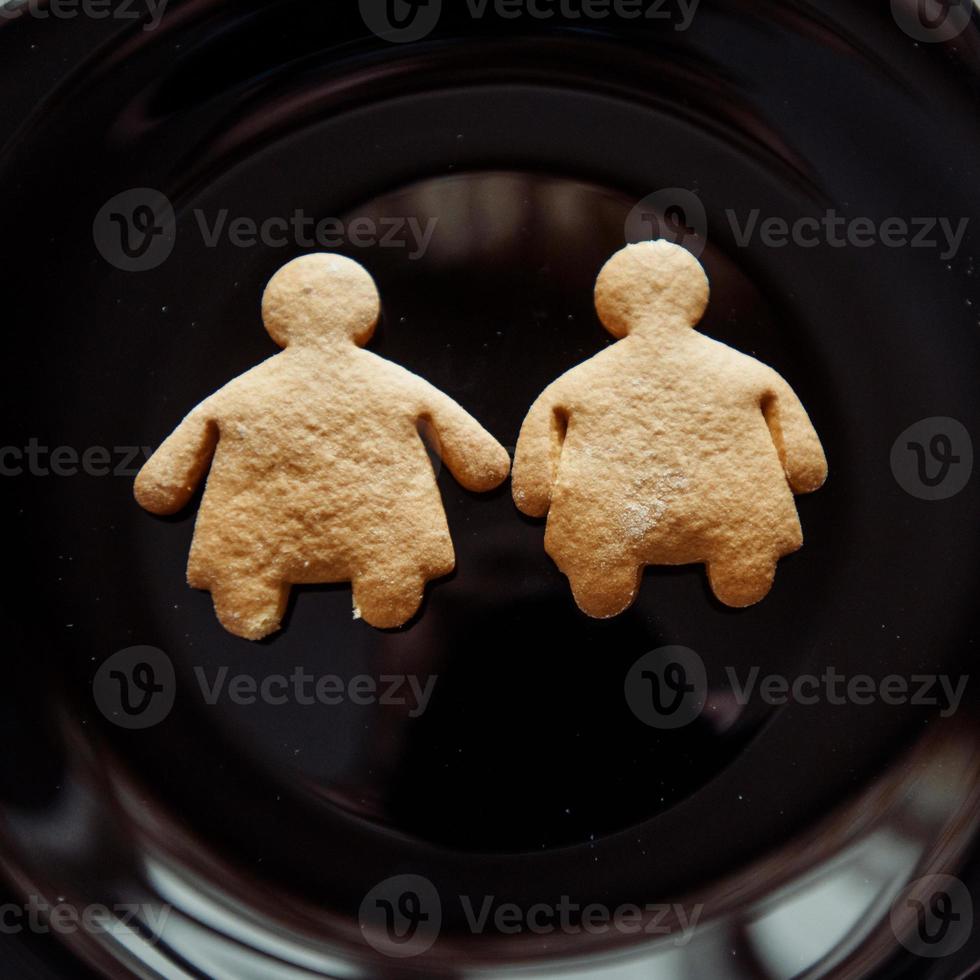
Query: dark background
[530, 142]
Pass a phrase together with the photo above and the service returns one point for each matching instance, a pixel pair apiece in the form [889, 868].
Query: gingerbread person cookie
[318, 472]
[667, 448]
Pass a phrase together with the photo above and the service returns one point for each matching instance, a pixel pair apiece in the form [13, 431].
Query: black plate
[262, 828]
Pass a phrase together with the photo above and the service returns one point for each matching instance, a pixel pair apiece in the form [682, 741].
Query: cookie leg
[387, 600]
[743, 579]
[604, 592]
[251, 608]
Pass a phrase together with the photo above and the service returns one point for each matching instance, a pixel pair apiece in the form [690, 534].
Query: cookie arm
[538, 453]
[171, 475]
[797, 442]
[474, 457]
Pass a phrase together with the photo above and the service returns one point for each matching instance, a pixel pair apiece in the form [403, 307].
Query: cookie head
[321, 299]
[651, 287]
